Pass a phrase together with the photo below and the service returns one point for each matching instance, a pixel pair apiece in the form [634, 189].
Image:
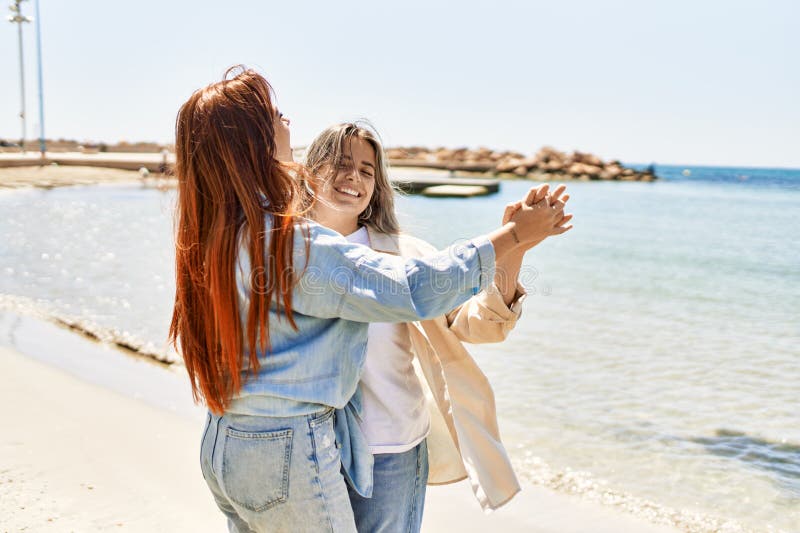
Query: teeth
[349, 191]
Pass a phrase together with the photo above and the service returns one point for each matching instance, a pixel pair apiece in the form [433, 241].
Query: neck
[343, 225]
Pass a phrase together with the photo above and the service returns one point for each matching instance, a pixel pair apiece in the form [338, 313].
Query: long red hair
[228, 181]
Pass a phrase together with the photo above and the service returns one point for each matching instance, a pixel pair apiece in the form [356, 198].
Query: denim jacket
[342, 287]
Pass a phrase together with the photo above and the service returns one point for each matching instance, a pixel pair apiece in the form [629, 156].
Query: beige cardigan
[464, 440]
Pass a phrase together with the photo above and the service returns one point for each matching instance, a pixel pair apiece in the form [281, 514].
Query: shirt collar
[382, 242]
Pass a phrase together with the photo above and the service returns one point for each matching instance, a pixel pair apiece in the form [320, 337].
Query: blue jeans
[276, 474]
[398, 494]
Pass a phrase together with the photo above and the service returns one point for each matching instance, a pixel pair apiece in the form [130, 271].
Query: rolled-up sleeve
[338, 278]
[486, 317]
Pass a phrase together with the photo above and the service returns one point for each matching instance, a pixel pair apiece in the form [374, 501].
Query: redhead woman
[272, 310]
[455, 434]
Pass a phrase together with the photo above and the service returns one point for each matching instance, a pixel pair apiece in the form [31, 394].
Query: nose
[354, 175]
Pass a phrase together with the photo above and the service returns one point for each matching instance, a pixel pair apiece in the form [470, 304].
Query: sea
[656, 366]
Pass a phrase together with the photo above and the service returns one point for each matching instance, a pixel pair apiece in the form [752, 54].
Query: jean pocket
[255, 467]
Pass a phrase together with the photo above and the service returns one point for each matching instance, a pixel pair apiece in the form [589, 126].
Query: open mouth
[348, 191]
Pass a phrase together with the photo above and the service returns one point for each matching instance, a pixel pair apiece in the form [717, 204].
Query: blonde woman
[453, 433]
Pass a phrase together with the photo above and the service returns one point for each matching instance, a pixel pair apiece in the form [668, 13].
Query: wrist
[519, 246]
[503, 240]
[513, 231]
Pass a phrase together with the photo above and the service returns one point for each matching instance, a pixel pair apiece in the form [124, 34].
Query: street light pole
[19, 18]
[42, 145]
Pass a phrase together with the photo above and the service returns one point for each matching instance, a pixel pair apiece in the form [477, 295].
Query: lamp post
[42, 145]
[19, 19]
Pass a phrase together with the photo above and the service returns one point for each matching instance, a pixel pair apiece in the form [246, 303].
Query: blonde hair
[328, 149]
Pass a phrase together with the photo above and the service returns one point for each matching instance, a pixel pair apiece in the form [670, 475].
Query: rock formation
[547, 161]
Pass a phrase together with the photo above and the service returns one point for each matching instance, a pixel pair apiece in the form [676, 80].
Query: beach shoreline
[49, 176]
[102, 440]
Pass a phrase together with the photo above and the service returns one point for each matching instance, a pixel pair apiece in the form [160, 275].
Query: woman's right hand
[538, 216]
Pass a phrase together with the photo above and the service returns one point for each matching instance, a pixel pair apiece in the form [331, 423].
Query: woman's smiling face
[348, 189]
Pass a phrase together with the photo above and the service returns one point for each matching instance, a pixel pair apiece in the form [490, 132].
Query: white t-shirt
[395, 417]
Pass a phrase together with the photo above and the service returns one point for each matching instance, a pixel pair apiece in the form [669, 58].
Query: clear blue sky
[683, 82]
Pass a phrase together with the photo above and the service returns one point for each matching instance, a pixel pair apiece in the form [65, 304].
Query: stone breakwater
[547, 163]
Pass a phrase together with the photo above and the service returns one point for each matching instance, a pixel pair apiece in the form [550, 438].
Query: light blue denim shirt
[342, 287]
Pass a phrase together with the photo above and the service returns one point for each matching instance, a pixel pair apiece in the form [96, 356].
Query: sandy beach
[647, 384]
[59, 176]
[102, 441]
